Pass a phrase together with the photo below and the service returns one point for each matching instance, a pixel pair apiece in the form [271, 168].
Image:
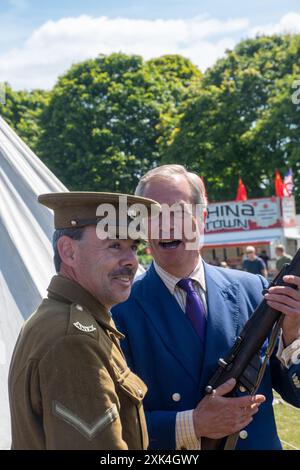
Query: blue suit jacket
[162, 348]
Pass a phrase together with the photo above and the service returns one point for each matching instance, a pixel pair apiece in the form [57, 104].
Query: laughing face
[105, 268]
[172, 250]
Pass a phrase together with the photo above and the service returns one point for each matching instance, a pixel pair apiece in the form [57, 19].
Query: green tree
[22, 110]
[277, 132]
[180, 82]
[99, 129]
[232, 128]
[102, 128]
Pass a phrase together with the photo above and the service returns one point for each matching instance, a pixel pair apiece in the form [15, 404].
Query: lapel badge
[85, 328]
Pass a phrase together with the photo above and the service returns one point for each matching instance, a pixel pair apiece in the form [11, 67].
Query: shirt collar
[171, 281]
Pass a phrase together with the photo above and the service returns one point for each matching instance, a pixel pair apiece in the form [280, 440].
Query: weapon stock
[243, 360]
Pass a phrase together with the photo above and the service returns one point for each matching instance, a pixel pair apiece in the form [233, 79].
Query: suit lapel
[171, 324]
[222, 319]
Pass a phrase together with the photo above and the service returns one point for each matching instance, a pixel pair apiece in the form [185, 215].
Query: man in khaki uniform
[69, 384]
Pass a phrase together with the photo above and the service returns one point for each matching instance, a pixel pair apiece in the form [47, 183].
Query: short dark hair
[74, 233]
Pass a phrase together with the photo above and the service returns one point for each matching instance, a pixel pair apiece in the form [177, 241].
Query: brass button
[140, 392]
[176, 397]
[243, 434]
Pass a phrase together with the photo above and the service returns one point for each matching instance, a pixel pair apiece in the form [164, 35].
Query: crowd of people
[259, 263]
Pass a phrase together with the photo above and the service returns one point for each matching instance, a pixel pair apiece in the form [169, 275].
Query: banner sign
[288, 212]
[253, 214]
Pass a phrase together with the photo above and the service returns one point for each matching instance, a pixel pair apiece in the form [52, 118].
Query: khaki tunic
[69, 384]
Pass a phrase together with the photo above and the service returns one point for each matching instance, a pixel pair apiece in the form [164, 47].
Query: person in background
[224, 264]
[263, 255]
[282, 257]
[254, 264]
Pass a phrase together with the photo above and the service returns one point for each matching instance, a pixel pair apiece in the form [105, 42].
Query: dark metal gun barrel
[257, 328]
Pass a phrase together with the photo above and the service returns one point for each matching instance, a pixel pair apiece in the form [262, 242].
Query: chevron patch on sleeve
[89, 431]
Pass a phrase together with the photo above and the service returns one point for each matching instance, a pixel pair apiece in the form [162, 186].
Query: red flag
[241, 194]
[288, 184]
[278, 183]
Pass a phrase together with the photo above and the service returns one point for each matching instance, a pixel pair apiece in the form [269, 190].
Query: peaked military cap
[78, 209]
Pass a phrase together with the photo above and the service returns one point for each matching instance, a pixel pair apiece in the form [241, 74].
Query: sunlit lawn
[288, 424]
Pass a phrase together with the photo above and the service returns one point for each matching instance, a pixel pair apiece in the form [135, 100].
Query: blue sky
[40, 40]
[34, 12]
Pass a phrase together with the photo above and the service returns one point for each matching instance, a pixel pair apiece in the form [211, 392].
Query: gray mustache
[124, 272]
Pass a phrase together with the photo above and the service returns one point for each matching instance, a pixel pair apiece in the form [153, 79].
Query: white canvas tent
[26, 264]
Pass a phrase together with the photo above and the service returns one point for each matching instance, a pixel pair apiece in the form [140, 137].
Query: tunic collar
[64, 289]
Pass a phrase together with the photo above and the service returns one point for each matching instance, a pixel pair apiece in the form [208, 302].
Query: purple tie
[194, 307]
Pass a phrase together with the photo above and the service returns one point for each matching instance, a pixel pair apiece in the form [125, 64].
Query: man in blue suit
[184, 314]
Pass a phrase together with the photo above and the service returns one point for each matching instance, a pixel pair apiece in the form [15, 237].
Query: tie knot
[186, 285]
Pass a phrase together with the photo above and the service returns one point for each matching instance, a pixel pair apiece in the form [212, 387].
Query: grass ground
[288, 424]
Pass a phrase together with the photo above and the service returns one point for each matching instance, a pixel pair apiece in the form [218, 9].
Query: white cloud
[289, 23]
[52, 48]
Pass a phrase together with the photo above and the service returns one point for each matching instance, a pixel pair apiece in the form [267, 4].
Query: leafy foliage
[22, 110]
[110, 119]
[244, 121]
[102, 127]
